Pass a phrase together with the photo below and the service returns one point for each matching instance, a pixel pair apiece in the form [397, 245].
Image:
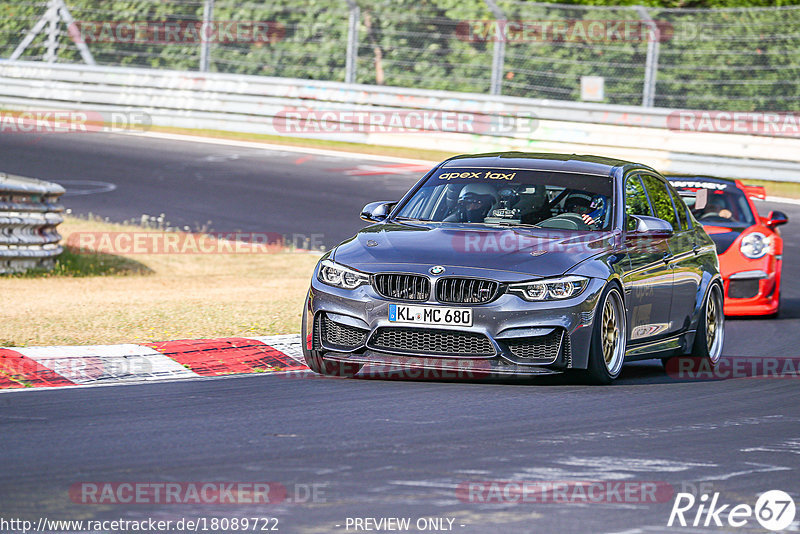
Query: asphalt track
[236, 188]
[374, 447]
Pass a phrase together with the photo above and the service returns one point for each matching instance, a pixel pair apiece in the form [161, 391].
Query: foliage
[737, 59]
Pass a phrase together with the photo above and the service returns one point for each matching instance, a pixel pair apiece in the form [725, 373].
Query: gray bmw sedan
[519, 263]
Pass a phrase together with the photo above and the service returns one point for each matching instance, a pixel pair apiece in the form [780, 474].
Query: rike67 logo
[774, 510]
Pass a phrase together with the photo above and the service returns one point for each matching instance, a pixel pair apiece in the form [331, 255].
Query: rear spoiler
[753, 191]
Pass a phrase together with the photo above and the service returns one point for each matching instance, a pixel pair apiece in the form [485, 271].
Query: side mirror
[377, 211]
[647, 226]
[776, 218]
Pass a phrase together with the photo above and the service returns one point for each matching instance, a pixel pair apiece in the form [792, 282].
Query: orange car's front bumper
[752, 287]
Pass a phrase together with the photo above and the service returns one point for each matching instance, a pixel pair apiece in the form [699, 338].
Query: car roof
[584, 164]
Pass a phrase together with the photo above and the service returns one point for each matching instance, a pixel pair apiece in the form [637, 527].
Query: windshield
[513, 197]
[726, 205]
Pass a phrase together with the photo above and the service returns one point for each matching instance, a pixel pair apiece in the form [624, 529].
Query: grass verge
[777, 189]
[104, 298]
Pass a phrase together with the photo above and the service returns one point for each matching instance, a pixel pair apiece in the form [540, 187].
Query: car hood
[724, 236]
[521, 253]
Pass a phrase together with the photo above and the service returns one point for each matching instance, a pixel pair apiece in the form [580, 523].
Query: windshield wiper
[410, 219]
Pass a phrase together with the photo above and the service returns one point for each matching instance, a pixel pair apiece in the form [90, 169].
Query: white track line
[327, 152]
[288, 344]
[90, 364]
[784, 200]
[103, 365]
[281, 148]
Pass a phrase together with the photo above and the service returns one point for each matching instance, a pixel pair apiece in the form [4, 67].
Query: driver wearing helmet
[590, 208]
[474, 203]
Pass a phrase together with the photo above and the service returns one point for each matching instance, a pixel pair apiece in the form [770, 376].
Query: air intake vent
[743, 289]
[402, 286]
[425, 341]
[466, 290]
[537, 349]
[341, 336]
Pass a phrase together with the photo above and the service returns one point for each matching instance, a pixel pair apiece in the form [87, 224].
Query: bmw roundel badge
[436, 269]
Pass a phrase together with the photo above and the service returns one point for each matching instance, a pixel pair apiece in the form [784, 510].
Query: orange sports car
[750, 247]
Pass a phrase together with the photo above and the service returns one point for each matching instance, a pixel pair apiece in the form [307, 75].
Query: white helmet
[475, 201]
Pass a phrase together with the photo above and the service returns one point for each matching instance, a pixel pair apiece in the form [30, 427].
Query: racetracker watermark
[166, 32]
[542, 242]
[162, 242]
[564, 30]
[40, 122]
[410, 368]
[564, 492]
[86, 368]
[216, 492]
[148, 524]
[380, 121]
[689, 368]
[778, 124]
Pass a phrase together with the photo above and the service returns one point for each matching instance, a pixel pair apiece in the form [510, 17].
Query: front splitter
[462, 366]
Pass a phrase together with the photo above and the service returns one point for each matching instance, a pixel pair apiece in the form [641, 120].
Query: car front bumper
[752, 287]
[509, 322]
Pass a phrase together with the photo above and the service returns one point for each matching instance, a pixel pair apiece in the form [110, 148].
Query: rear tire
[609, 338]
[711, 328]
[320, 365]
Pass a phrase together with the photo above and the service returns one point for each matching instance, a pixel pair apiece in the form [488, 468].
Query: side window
[660, 200]
[680, 208]
[635, 200]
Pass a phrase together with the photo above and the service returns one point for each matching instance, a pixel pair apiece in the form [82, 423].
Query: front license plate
[399, 313]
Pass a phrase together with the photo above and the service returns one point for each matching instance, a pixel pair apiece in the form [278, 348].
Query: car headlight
[336, 275]
[754, 245]
[551, 288]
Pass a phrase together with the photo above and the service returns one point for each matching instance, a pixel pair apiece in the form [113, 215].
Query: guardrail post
[205, 44]
[49, 15]
[499, 50]
[651, 62]
[66, 16]
[56, 10]
[52, 32]
[352, 42]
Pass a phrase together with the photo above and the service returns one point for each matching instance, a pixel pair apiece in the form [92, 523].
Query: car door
[648, 284]
[682, 260]
[687, 267]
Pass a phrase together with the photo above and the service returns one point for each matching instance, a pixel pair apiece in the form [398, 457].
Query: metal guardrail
[729, 58]
[249, 104]
[29, 214]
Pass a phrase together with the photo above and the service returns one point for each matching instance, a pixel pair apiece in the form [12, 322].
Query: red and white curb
[33, 367]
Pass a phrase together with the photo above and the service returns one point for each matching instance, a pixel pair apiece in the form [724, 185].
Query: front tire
[609, 338]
